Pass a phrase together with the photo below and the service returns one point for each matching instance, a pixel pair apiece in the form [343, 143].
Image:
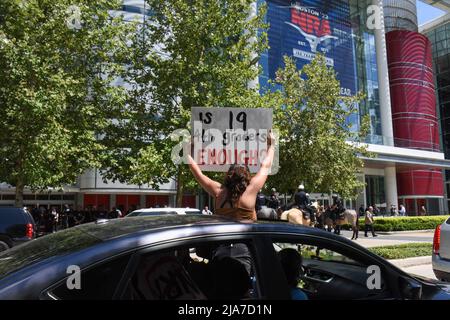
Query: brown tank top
[237, 213]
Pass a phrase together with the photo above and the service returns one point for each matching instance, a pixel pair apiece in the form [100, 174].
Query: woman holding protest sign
[235, 197]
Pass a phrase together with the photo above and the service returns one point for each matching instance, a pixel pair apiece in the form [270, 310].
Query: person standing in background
[423, 211]
[368, 221]
[393, 210]
[361, 211]
[206, 211]
[55, 219]
[402, 210]
[375, 210]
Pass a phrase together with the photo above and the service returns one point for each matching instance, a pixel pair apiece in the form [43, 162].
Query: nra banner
[301, 29]
[226, 136]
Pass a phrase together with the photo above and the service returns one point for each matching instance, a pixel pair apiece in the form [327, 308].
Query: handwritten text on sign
[225, 136]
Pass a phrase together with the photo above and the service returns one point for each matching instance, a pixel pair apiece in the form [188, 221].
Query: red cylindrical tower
[414, 115]
[412, 90]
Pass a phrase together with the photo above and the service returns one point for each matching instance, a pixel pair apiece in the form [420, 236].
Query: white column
[390, 187]
[383, 79]
[142, 202]
[253, 84]
[112, 201]
[390, 177]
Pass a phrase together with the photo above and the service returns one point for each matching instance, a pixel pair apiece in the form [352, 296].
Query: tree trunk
[180, 187]
[19, 194]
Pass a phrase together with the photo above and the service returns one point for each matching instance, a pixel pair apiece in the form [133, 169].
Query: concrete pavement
[391, 239]
[417, 266]
[425, 270]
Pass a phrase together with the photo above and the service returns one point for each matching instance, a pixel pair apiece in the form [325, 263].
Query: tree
[315, 135]
[188, 53]
[58, 59]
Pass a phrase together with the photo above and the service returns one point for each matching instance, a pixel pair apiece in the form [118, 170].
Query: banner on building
[304, 28]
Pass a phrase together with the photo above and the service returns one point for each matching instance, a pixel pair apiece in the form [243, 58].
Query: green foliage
[404, 223]
[311, 116]
[56, 91]
[188, 53]
[408, 223]
[403, 251]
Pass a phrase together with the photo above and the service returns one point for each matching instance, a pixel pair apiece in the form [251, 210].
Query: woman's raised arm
[260, 178]
[209, 185]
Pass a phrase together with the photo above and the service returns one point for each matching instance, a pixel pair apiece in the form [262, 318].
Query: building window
[8, 197]
[375, 194]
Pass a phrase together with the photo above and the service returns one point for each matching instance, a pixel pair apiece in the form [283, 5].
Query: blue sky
[427, 13]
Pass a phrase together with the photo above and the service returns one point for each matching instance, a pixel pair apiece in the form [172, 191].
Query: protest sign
[226, 136]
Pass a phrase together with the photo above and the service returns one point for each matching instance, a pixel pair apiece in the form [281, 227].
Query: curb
[401, 232]
[411, 262]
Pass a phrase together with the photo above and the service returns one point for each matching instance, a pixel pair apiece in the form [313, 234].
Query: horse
[348, 217]
[296, 215]
[267, 213]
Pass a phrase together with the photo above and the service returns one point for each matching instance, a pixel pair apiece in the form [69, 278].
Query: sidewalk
[392, 238]
[405, 232]
[420, 266]
[411, 262]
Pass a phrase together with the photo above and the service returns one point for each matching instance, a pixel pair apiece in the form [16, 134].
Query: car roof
[108, 229]
[165, 209]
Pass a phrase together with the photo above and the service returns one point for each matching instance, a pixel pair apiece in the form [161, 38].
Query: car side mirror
[410, 289]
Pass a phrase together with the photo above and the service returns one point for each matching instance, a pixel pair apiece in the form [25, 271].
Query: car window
[198, 272]
[134, 214]
[56, 244]
[96, 283]
[315, 252]
[12, 216]
[325, 272]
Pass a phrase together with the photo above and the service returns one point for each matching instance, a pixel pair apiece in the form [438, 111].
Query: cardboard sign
[226, 136]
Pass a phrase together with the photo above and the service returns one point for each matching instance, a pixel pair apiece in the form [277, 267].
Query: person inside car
[291, 261]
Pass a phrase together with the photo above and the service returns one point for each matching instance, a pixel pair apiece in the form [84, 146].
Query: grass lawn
[402, 251]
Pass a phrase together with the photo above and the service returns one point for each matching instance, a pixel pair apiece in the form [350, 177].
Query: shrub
[403, 223]
[403, 251]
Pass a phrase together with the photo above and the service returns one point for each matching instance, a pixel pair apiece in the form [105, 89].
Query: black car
[173, 257]
[16, 226]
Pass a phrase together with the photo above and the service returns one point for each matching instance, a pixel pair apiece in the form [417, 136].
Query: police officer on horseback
[303, 202]
[274, 201]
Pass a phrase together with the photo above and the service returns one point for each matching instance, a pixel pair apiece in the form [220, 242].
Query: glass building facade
[350, 49]
[440, 40]
[367, 71]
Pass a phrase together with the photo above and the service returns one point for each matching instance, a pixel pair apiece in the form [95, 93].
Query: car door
[98, 281]
[201, 269]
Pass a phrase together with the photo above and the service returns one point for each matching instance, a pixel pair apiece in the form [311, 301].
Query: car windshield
[57, 244]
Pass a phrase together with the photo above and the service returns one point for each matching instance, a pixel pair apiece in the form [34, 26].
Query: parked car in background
[16, 226]
[163, 211]
[441, 251]
[185, 257]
